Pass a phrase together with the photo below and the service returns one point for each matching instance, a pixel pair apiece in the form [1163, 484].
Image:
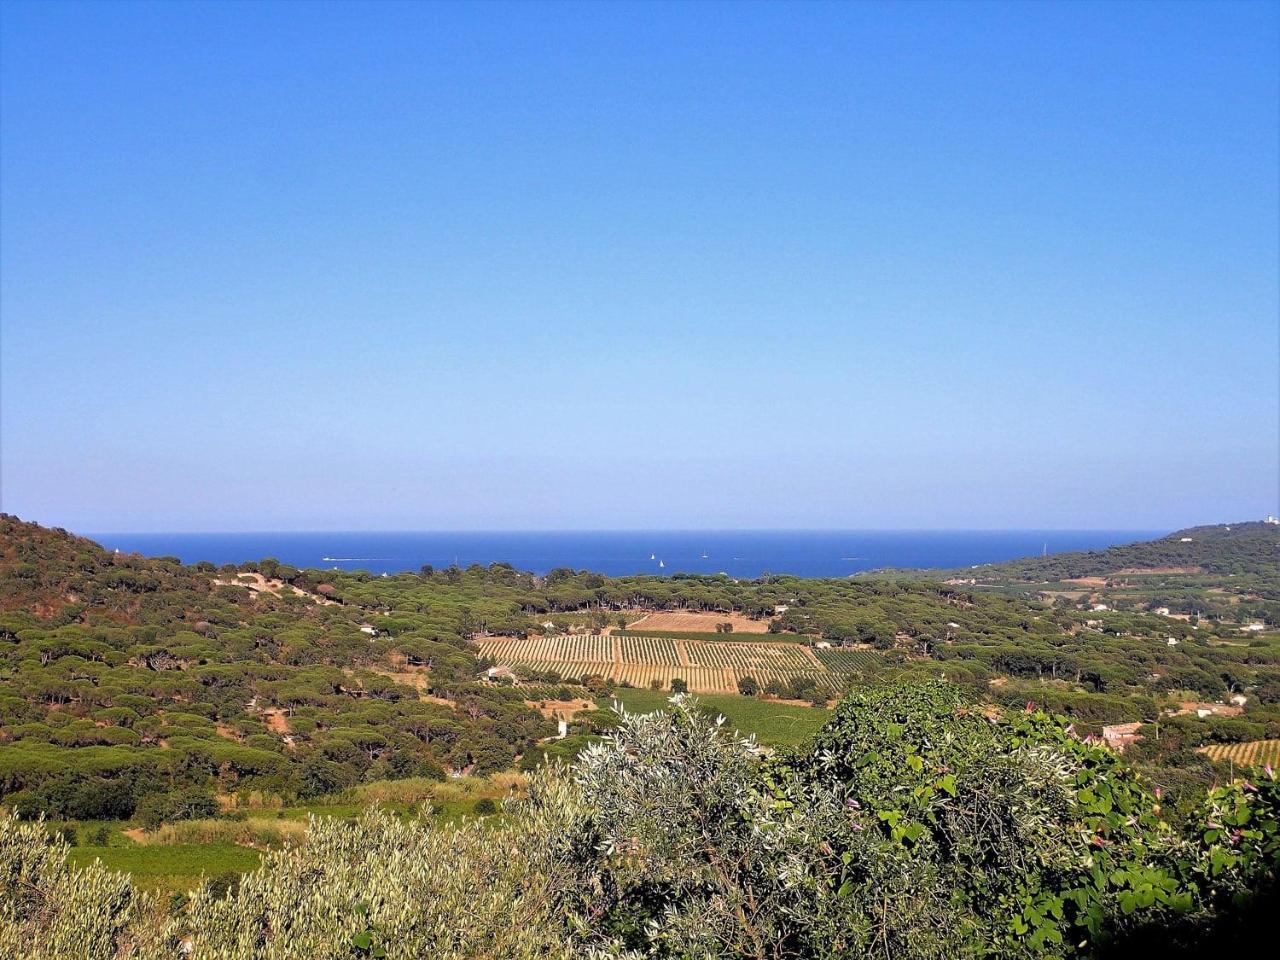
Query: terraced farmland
[705, 665]
[846, 661]
[1250, 753]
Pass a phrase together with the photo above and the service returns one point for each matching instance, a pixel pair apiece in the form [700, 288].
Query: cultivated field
[705, 665]
[1250, 753]
[700, 622]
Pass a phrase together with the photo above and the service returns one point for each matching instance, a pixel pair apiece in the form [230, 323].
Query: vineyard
[706, 666]
[1251, 753]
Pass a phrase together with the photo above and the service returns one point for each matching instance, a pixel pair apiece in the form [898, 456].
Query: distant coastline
[623, 553]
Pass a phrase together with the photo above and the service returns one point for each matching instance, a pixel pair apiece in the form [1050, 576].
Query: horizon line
[649, 530]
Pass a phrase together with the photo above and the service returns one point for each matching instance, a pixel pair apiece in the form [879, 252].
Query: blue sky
[611, 266]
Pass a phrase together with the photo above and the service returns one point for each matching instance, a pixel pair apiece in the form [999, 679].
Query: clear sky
[609, 266]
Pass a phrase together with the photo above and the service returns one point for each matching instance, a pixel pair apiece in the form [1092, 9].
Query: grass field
[170, 868]
[774, 724]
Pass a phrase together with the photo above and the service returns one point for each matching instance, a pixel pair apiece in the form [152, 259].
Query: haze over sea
[739, 553]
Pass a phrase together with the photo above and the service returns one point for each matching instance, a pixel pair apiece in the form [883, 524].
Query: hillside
[1221, 550]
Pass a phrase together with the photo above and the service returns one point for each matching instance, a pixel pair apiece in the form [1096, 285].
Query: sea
[738, 553]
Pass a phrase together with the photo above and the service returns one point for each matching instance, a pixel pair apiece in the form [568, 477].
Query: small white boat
[653, 556]
[661, 564]
[704, 554]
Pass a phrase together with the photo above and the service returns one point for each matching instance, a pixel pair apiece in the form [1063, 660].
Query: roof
[1121, 729]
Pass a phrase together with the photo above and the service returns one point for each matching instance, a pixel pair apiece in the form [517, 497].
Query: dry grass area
[257, 833]
[420, 789]
[561, 709]
[277, 721]
[416, 677]
[684, 620]
[257, 583]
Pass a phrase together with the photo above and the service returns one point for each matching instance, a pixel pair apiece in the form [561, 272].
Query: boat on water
[653, 556]
[661, 564]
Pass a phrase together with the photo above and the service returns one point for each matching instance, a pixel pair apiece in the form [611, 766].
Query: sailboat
[704, 554]
[653, 556]
[661, 564]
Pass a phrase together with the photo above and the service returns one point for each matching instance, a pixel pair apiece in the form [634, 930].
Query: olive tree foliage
[400, 890]
[50, 911]
[700, 858]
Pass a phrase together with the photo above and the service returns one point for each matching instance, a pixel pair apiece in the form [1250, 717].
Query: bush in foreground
[912, 826]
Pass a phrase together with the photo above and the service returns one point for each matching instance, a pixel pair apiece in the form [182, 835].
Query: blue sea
[738, 553]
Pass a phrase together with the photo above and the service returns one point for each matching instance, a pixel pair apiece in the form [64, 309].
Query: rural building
[1162, 611]
[1118, 736]
[1101, 606]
